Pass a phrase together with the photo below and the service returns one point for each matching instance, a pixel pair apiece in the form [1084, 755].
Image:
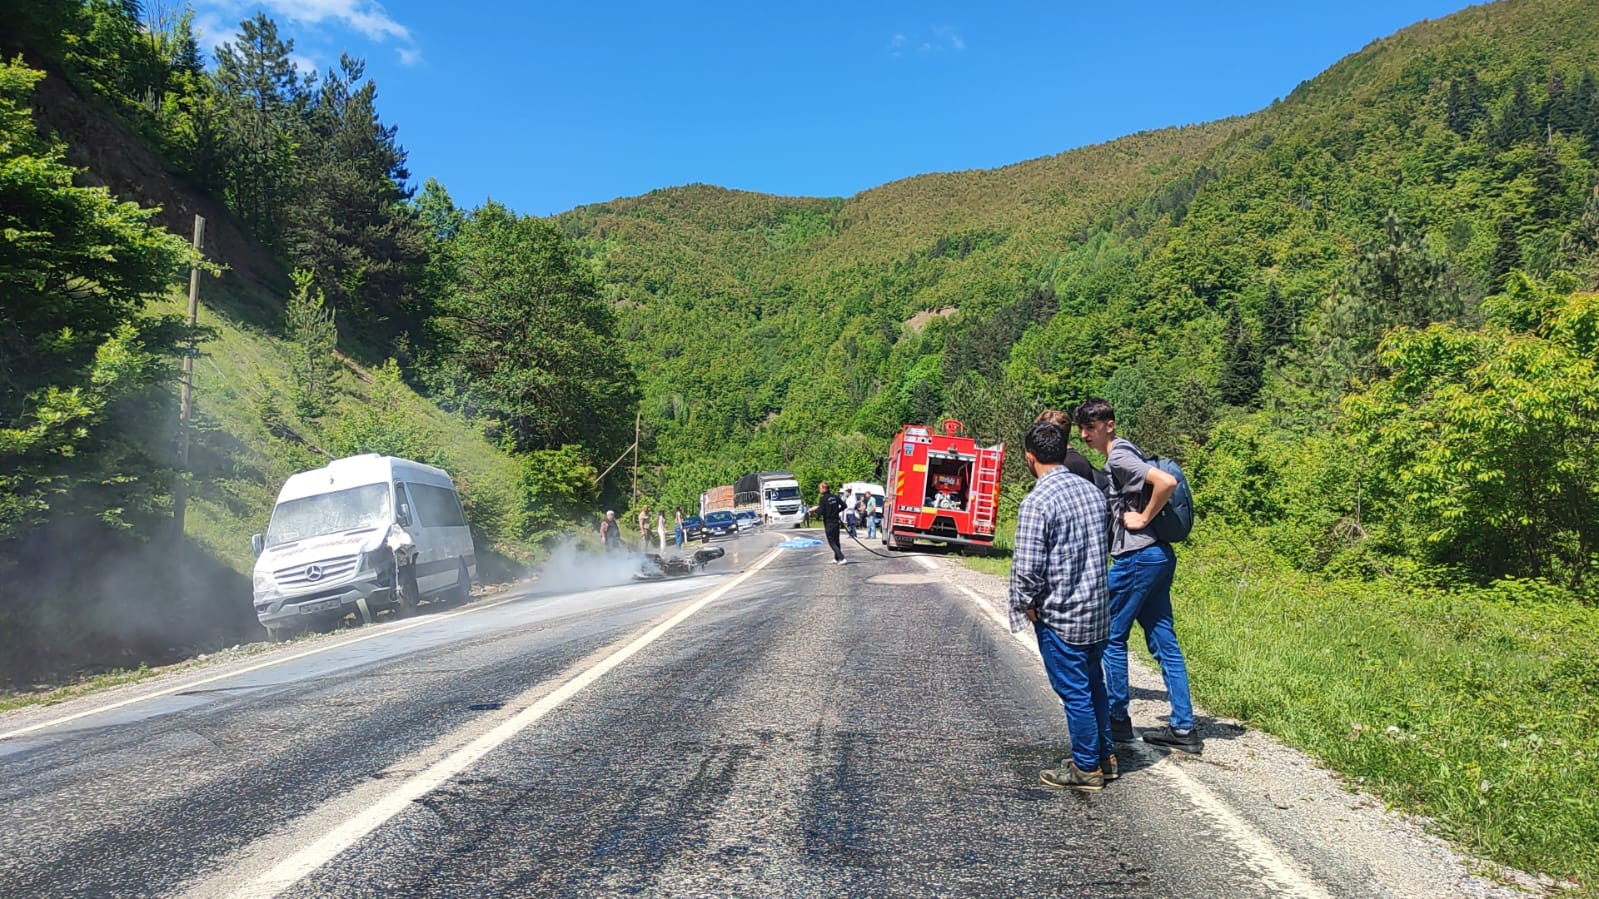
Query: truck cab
[773, 495]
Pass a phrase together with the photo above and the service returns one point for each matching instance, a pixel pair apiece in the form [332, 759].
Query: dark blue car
[721, 524]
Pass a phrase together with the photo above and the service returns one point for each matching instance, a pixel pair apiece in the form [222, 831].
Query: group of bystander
[1082, 612]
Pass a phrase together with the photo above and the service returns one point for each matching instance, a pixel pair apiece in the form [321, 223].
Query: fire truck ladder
[986, 486]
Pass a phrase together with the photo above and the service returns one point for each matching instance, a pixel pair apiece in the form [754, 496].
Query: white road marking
[1259, 852]
[319, 852]
[927, 563]
[190, 685]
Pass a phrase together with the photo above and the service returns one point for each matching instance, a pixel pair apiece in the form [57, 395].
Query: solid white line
[297, 866]
[927, 563]
[190, 685]
[1261, 854]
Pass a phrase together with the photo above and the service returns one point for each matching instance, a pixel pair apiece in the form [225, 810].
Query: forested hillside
[1356, 314]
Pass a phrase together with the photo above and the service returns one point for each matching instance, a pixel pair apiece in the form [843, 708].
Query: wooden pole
[638, 417]
[186, 395]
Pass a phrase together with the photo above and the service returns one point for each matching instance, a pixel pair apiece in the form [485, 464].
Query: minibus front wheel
[406, 593]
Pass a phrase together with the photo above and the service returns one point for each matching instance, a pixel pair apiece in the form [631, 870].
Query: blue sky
[546, 106]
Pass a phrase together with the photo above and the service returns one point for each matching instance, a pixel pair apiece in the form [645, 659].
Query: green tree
[352, 226]
[313, 337]
[1486, 436]
[263, 100]
[524, 337]
[1242, 368]
[1396, 281]
[80, 360]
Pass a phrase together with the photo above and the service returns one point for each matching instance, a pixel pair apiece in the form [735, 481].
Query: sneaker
[1121, 731]
[1165, 736]
[1071, 777]
[843, 561]
[1109, 767]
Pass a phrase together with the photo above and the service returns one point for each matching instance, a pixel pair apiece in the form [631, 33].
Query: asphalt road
[776, 727]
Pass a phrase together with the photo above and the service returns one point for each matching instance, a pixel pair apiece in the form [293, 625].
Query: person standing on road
[677, 519]
[644, 527]
[1140, 579]
[611, 532]
[873, 512]
[831, 508]
[660, 528]
[1058, 587]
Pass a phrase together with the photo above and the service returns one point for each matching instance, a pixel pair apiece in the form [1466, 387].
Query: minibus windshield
[329, 513]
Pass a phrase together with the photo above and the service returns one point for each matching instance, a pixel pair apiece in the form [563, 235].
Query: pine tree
[1278, 319]
[353, 228]
[1242, 369]
[263, 98]
[313, 336]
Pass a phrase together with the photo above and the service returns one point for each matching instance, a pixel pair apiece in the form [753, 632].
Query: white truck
[774, 495]
[361, 534]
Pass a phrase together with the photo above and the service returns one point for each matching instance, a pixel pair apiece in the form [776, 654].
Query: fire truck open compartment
[943, 488]
[948, 480]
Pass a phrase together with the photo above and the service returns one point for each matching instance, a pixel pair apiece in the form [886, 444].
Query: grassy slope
[237, 476]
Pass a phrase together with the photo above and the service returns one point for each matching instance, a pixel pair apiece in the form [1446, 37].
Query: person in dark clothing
[1076, 462]
[831, 508]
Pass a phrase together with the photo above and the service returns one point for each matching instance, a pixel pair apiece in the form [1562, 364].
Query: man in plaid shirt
[1057, 585]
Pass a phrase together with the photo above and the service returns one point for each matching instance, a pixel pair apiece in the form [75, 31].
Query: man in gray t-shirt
[1140, 580]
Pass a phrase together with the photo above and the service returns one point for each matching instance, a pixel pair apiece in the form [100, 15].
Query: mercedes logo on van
[313, 572]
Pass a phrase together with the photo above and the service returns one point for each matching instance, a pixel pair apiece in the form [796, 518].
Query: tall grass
[1476, 708]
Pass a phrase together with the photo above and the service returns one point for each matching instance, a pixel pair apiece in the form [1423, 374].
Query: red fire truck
[941, 487]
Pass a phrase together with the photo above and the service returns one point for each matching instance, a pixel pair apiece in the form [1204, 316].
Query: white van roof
[861, 487]
[356, 471]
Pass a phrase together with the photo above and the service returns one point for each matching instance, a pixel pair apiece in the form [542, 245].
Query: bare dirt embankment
[114, 157]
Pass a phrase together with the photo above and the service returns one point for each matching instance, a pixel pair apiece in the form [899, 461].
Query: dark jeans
[1075, 673]
[831, 530]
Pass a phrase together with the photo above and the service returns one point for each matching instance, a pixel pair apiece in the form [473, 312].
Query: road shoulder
[1344, 837]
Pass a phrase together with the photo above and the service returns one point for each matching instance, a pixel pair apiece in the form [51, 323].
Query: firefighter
[831, 508]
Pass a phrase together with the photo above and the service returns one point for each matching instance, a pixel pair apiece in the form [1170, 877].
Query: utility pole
[186, 396]
[638, 418]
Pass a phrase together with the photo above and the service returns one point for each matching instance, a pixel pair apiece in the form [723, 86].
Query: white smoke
[573, 567]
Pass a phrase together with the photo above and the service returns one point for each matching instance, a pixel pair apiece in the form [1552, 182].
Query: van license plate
[322, 606]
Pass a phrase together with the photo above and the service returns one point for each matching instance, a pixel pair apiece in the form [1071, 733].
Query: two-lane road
[777, 727]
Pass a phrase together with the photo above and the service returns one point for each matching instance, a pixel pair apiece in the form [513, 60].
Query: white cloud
[369, 18]
[365, 17]
[942, 39]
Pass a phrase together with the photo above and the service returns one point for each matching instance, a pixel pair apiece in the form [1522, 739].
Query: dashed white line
[319, 852]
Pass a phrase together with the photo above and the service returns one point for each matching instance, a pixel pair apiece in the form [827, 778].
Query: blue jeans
[1074, 672]
[871, 526]
[1140, 590]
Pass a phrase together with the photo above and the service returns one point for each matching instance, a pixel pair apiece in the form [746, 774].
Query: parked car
[747, 520]
[721, 524]
[692, 526]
